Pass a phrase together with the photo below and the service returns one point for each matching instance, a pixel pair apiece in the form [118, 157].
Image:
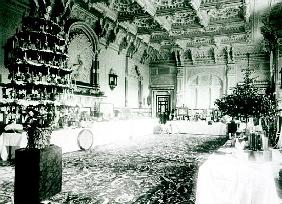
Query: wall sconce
[112, 79]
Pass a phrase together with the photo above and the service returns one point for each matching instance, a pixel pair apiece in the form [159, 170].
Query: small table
[11, 140]
[234, 179]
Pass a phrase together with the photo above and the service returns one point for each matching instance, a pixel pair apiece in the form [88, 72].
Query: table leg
[9, 153]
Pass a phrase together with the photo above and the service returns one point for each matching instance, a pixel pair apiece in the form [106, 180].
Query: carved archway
[82, 26]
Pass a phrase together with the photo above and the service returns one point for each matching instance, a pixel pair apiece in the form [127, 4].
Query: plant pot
[38, 174]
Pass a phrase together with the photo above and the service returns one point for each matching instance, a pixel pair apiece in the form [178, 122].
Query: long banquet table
[238, 178]
[103, 133]
[197, 127]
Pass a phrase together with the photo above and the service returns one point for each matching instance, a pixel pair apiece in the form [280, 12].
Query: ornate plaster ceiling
[194, 21]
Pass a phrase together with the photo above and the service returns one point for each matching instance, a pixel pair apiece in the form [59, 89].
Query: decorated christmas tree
[247, 102]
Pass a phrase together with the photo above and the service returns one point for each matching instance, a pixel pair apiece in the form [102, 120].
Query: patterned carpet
[151, 169]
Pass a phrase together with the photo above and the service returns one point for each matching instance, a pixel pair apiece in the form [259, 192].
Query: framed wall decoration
[81, 58]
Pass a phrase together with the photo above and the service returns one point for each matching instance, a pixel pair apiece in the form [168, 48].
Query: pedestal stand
[38, 174]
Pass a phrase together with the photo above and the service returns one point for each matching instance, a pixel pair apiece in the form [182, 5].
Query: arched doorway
[203, 90]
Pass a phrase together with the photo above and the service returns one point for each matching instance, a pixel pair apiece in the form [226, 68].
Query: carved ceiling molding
[164, 22]
[198, 41]
[16, 6]
[160, 37]
[246, 10]
[148, 5]
[183, 18]
[209, 31]
[195, 4]
[234, 12]
[103, 9]
[128, 9]
[79, 13]
[147, 25]
[150, 54]
[165, 54]
[203, 17]
[169, 4]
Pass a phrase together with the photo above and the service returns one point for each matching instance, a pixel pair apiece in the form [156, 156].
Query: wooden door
[163, 104]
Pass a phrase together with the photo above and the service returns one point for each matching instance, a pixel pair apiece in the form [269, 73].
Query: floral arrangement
[39, 126]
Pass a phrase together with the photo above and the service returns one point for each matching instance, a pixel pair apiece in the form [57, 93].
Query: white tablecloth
[225, 179]
[199, 127]
[14, 139]
[11, 139]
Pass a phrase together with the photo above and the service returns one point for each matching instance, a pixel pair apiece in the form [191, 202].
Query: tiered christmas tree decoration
[36, 59]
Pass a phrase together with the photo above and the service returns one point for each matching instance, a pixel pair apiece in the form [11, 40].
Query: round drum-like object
[85, 139]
